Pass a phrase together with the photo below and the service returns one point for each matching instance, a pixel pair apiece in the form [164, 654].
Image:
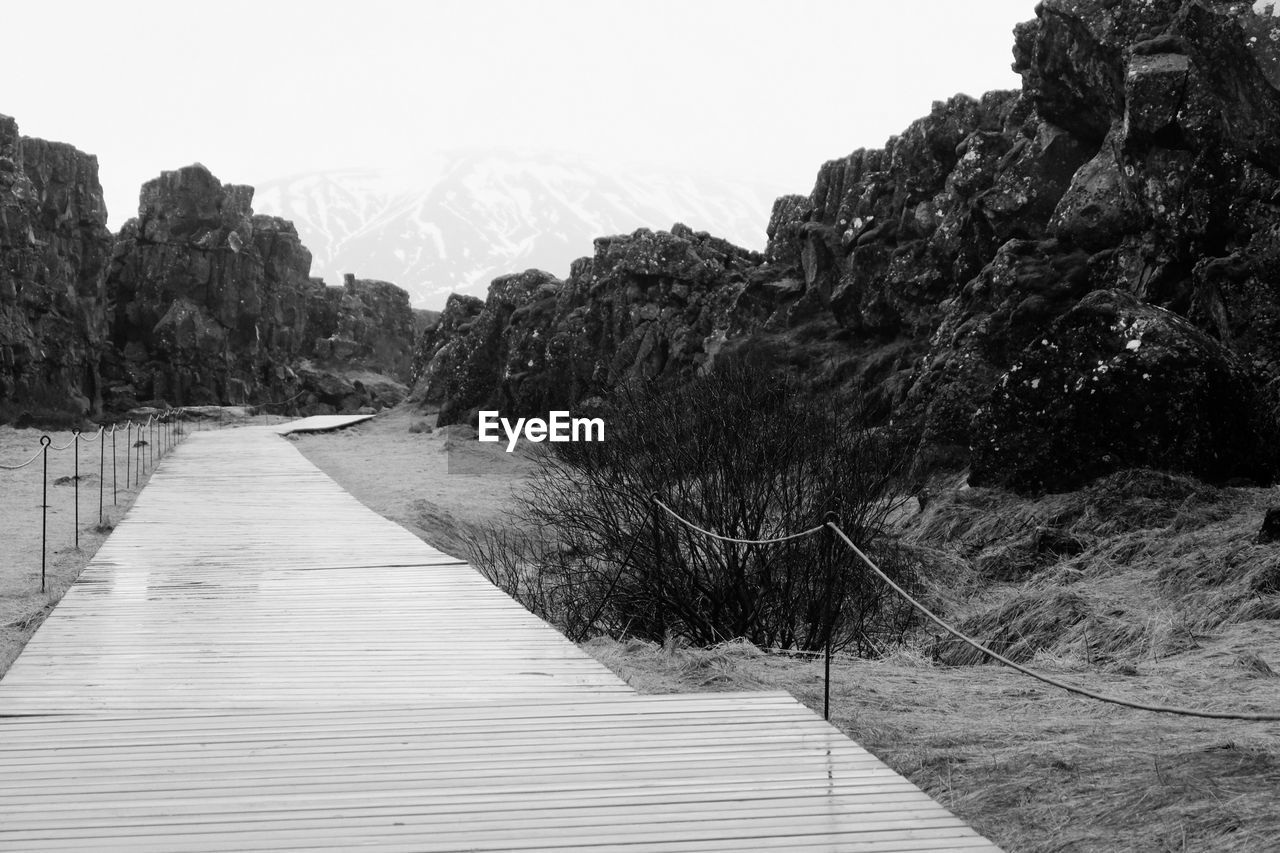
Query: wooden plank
[255, 661]
[321, 423]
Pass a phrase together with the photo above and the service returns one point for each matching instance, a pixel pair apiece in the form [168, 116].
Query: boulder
[1114, 384]
[1270, 530]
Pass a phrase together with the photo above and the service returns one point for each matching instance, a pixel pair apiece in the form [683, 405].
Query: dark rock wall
[367, 323]
[1140, 158]
[214, 304]
[646, 304]
[54, 247]
[197, 300]
[210, 301]
[998, 251]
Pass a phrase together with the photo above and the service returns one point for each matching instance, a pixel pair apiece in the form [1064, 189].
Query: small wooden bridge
[255, 661]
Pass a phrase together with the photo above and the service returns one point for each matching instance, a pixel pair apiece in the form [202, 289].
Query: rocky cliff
[214, 304]
[54, 247]
[197, 300]
[651, 304]
[1094, 253]
[211, 303]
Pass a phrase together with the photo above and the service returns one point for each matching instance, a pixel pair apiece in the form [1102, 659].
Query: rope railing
[164, 430]
[284, 402]
[687, 523]
[835, 530]
[37, 455]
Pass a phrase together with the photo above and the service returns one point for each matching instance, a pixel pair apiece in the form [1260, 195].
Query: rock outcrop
[54, 248]
[1118, 383]
[214, 304]
[211, 301]
[1140, 158]
[197, 301]
[368, 324]
[647, 304]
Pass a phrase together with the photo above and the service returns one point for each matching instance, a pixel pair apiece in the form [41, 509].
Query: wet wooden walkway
[255, 661]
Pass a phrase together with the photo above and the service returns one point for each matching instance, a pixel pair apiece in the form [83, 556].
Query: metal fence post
[45, 441]
[828, 547]
[115, 499]
[102, 468]
[75, 441]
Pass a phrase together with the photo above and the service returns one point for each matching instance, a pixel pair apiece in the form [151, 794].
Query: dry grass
[399, 466]
[1168, 561]
[1030, 767]
[22, 605]
[1169, 602]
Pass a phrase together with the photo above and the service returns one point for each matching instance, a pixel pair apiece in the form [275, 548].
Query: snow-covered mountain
[465, 218]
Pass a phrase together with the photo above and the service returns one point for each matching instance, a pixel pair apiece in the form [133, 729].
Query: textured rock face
[645, 305]
[1116, 383]
[54, 247]
[431, 362]
[369, 325]
[1141, 155]
[214, 305]
[211, 302]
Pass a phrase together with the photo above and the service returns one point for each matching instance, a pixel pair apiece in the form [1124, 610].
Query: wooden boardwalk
[255, 661]
[320, 423]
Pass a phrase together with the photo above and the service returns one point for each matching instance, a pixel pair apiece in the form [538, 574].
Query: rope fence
[37, 455]
[786, 538]
[164, 430]
[830, 525]
[284, 402]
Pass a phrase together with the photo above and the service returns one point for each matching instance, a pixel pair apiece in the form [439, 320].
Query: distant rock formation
[54, 248]
[650, 304]
[212, 304]
[197, 300]
[1141, 157]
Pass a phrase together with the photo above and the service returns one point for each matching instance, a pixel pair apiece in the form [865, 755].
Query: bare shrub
[533, 570]
[743, 452]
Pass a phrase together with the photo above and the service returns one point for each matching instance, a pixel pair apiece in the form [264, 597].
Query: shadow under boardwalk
[255, 661]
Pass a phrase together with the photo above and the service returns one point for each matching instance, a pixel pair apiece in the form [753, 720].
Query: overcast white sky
[260, 90]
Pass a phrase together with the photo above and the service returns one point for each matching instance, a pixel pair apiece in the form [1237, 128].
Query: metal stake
[75, 440]
[102, 468]
[828, 539]
[44, 509]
